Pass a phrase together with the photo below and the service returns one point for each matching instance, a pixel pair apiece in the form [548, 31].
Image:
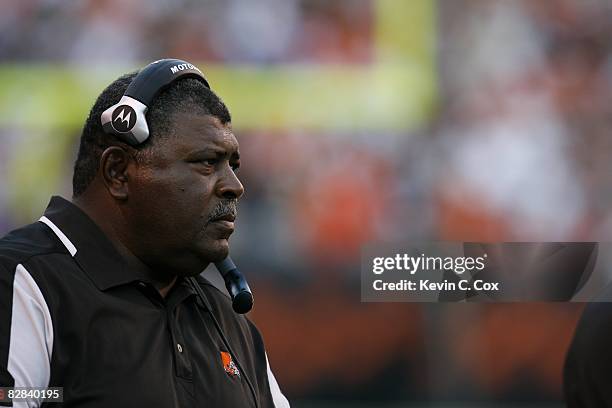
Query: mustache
[223, 209]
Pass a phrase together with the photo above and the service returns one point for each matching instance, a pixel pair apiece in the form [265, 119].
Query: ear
[114, 168]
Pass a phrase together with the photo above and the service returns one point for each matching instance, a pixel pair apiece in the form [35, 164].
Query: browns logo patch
[228, 364]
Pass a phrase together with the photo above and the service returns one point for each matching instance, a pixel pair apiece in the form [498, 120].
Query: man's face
[182, 198]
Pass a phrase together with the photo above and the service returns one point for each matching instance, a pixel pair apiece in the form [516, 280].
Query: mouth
[221, 218]
[224, 224]
[226, 217]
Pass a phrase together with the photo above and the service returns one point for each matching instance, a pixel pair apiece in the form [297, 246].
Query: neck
[107, 217]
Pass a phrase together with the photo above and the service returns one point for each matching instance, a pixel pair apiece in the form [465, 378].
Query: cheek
[173, 205]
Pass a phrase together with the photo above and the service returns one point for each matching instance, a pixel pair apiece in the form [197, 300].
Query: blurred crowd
[515, 149]
[528, 87]
[236, 31]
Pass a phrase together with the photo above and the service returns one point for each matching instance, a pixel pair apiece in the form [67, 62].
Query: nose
[229, 186]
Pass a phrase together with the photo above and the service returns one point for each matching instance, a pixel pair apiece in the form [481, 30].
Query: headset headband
[126, 118]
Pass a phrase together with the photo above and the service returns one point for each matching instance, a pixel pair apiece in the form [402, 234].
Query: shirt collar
[88, 245]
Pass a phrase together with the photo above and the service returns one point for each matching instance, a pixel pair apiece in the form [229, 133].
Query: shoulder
[24, 310]
[594, 331]
[19, 246]
[32, 266]
[588, 365]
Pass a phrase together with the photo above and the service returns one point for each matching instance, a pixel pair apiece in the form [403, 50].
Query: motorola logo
[123, 118]
[182, 67]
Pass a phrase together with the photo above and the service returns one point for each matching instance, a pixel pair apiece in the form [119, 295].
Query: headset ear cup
[106, 119]
[126, 119]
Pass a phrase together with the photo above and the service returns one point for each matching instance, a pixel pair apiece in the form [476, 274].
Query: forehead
[193, 131]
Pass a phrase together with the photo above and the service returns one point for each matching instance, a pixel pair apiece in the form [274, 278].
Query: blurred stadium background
[359, 121]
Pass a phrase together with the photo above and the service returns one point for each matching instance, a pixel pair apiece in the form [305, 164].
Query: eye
[235, 166]
[209, 162]
[206, 162]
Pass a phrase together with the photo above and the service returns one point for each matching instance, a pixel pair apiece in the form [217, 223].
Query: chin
[216, 251]
[198, 258]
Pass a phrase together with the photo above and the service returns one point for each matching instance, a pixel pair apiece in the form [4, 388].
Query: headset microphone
[237, 286]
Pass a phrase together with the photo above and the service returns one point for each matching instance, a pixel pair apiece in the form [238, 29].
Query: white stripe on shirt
[31, 343]
[69, 245]
[280, 401]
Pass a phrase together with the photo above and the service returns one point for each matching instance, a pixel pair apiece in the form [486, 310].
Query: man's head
[164, 198]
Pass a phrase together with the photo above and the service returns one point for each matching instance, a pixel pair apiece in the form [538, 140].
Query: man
[96, 296]
[587, 373]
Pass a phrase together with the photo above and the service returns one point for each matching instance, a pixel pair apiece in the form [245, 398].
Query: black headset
[127, 120]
